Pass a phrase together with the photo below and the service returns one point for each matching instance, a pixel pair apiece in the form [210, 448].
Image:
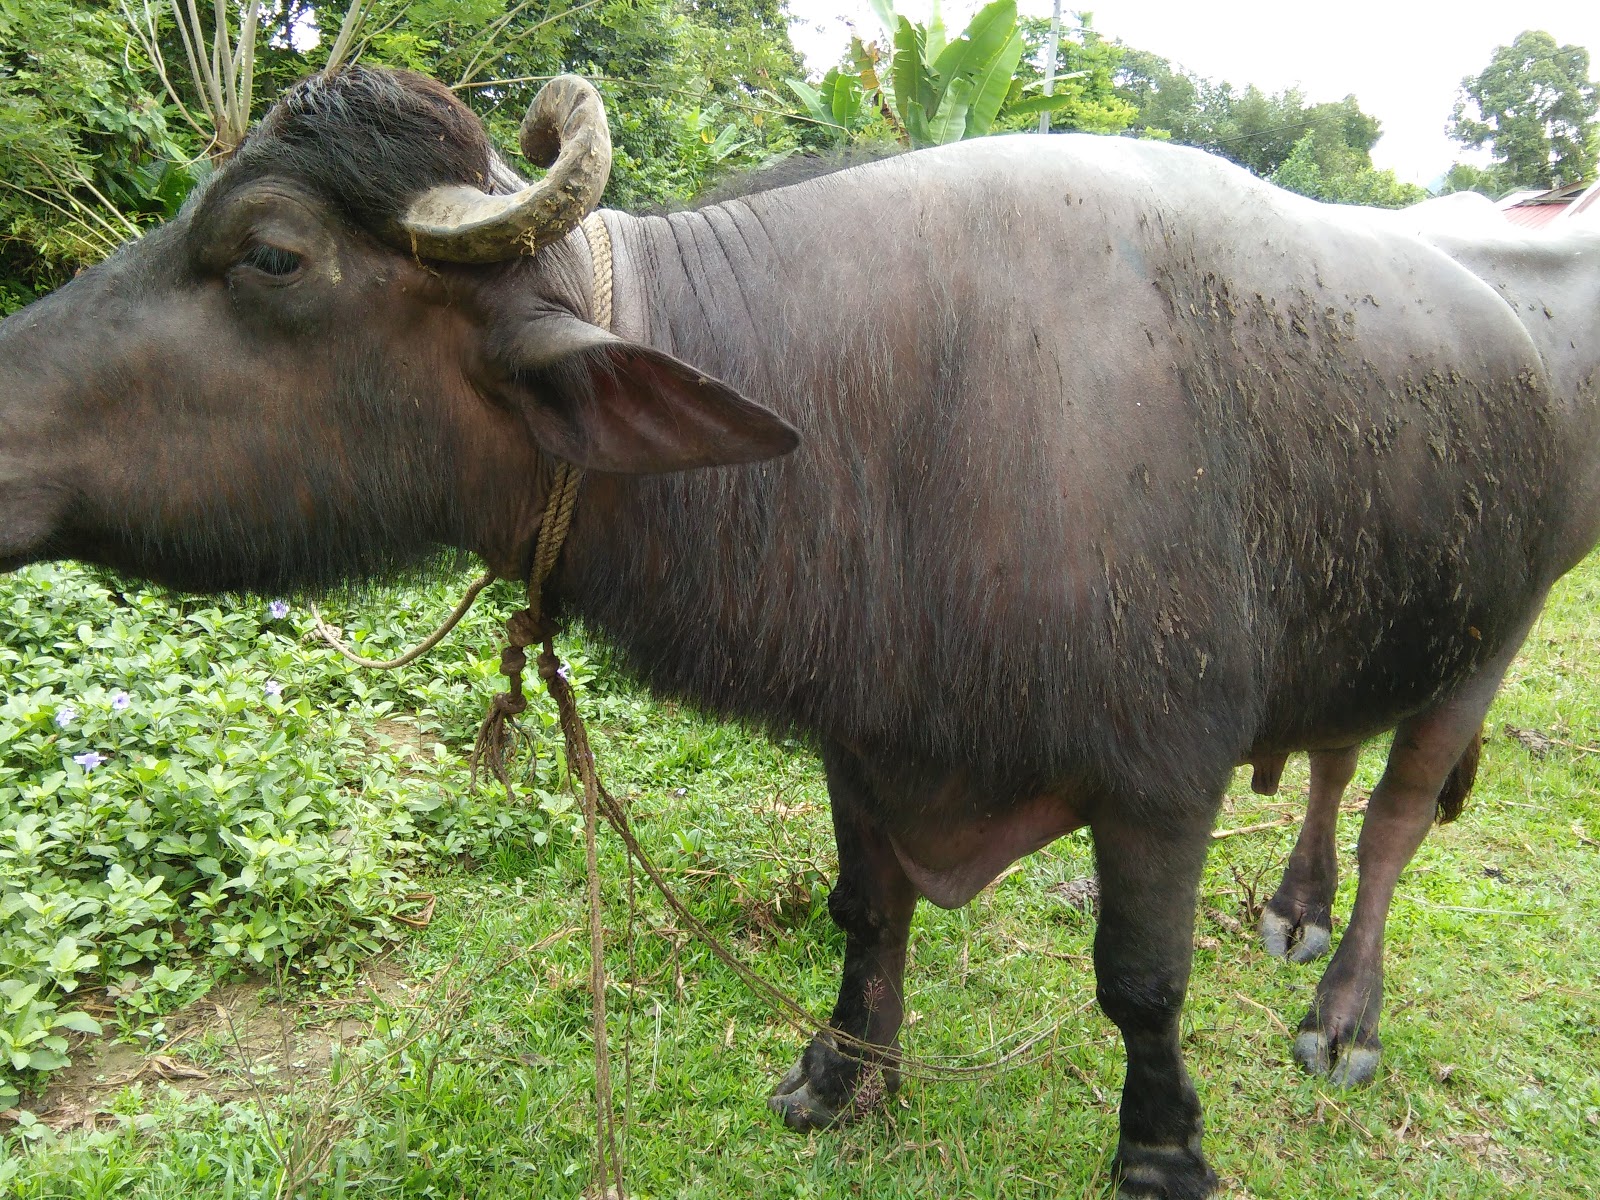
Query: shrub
[192, 789]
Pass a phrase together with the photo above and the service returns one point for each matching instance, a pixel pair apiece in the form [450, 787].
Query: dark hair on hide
[790, 170]
[368, 140]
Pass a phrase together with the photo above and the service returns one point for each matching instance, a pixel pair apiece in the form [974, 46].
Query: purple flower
[121, 700]
[273, 688]
[65, 715]
[89, 761]
[279, 610]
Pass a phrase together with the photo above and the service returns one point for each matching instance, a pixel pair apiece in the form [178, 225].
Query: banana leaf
[991, 87]
[949, 123]
[983, 38]
[937, 37]
[912, 85]
[812, 100]
[916, 121]
[842, 94]
[1034, 105]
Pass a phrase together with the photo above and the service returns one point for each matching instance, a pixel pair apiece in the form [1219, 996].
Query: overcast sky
[1403, 59]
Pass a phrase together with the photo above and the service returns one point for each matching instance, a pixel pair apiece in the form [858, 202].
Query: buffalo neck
[733, 588]
[688, 573]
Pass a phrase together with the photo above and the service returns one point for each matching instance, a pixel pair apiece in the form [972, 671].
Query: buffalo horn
[565, 130]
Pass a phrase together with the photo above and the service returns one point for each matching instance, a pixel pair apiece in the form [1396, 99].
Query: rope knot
[500, 729]
[524, 628]
[505, 706]
[512, 661]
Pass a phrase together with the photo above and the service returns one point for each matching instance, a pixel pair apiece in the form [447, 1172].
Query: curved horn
[565, 129]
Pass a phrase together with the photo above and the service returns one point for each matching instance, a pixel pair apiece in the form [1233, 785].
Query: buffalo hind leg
[1297, 922]
[1339, 1036]
[1149, 873]
[872, 903]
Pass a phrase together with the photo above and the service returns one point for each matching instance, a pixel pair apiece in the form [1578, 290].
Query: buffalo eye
[271, 260]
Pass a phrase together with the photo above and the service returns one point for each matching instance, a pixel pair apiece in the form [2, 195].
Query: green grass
[476, 1078]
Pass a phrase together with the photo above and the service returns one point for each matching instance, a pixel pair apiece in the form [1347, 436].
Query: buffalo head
[362, 340]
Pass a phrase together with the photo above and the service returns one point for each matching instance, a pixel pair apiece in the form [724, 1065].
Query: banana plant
[936, 89]
[946, 92]
[837, 106]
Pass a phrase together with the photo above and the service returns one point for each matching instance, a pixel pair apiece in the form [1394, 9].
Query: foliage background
[472, 1071]
[1534, 108]
[92, 150]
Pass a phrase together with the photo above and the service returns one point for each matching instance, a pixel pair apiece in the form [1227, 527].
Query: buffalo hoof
[800, 1110]
[1300, 939]
[1174, 1172]
[827, 1088]
[1347, 1064]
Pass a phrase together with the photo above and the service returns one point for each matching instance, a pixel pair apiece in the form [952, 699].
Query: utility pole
[1050, 63]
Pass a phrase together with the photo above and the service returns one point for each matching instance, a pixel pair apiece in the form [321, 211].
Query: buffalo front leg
[837, 1080]
[1297, 922]
[1339, 1036]
[1149, 872]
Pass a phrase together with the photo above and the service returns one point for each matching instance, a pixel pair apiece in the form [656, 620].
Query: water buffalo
[1039, 481]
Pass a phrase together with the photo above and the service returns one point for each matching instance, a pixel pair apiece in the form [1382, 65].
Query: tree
[1465, 177]
[1169, 102]
[1320, 150]
[87, 153]
[682, 79]
[1534, 106]
[1342, 175]
[91, 150]
[1086, 67]
[1255, 129]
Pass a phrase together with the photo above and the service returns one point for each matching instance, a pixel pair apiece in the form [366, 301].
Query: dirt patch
[234, 1043]
[403, 733]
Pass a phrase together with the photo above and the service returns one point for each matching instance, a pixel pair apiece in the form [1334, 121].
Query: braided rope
[599, 236]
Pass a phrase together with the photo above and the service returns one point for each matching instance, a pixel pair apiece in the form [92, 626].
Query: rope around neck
[558, 508]
[524, 628]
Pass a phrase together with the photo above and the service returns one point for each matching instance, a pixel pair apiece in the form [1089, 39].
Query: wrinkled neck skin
[689, 573]
[506, 482]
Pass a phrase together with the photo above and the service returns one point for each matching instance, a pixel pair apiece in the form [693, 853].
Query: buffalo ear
[605, 404]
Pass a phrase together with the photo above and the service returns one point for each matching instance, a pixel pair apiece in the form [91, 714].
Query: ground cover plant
[189, 789]
[225, 802]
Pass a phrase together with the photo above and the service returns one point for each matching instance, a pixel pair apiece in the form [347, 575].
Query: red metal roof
[1536, 212]
[1533, 216]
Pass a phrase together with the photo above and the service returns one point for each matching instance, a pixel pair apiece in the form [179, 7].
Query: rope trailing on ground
[581, 759]
[427, 643]
[524, 628]
[791, 1010]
